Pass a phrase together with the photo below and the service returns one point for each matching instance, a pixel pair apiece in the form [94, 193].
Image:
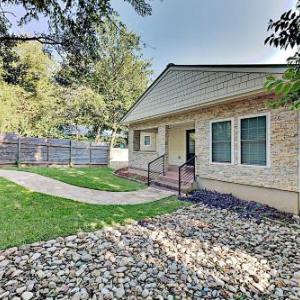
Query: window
[254, 141]
[147, 140]
[136, 140]
[221, 142]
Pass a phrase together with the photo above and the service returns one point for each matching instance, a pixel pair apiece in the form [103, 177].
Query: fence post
[47, 151]
[90, 153]
[18, 152]
[70, 158]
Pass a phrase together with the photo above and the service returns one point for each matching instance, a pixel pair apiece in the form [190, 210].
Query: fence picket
[29, 150]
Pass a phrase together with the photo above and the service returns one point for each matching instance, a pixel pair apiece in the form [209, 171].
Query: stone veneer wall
[138, 159]
[283, 171]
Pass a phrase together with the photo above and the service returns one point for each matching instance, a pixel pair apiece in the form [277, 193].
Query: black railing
[156, 168]
[187, 173]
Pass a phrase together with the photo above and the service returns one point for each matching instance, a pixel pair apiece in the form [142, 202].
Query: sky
[202, 31]
[207, 31]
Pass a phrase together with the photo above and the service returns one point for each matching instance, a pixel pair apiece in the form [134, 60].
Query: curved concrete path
[49, 186]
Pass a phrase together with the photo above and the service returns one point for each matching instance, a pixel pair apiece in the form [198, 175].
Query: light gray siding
[179, 89]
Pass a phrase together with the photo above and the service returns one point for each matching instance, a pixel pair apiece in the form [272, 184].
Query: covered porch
[181, 143]
[165, 154]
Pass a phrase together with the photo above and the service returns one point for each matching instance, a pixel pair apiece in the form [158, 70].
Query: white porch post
[163, 143]
[130, 145]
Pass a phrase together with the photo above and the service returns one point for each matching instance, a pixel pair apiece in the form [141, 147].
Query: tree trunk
[77, 132]
[98, 134]
[113, 138]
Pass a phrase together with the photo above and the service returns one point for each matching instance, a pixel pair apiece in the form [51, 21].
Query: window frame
[268, 140]
[232, 141]
[150, 140]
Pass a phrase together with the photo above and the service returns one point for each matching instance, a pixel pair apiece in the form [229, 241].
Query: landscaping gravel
[195, 253]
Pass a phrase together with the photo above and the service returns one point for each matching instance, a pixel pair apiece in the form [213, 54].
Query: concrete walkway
[49, 186]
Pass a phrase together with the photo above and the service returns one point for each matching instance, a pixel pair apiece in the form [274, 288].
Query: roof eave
[259, 92]
[268, 68]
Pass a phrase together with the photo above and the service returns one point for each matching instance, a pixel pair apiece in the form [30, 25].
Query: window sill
[144, 151]
[255, 166]
[221, 164]
[240, 165]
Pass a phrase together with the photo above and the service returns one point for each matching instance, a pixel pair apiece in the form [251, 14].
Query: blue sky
[207, 31]
[203, 31]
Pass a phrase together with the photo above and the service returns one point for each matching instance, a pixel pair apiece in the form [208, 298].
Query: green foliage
[36, 105]
[30, 105]
[72, 24]
[8, 103]
[81, 106]
[40, 97]
[287, 89]
[286, 33]
[121, 75]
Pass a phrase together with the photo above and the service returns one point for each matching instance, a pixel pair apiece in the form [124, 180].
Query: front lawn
[94, 178]
[27, 217]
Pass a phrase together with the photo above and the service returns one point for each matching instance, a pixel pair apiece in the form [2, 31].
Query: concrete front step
[172, 177]
[169, 179]
[171, 185]
[164, 187]
[173, 168]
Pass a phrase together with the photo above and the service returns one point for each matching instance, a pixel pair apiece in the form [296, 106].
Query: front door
[190, 144]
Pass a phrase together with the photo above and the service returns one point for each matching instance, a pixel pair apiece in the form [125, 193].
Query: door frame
[187, 132]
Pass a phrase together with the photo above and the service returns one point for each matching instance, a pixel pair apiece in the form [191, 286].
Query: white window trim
[150, 144]
[268, 140]
[232, 141]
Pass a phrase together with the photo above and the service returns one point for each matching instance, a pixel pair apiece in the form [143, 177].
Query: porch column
[130, 145]
[163, 144]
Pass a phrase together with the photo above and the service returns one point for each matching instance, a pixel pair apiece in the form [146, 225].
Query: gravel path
[49, 186]
[194, 253]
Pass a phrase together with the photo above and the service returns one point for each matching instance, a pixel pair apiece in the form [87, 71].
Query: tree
[81, 106]
[8, 56]
[32, 100]
[286, 33]
[121, 75]
[72, 23]
[8, 103]
[34, 104]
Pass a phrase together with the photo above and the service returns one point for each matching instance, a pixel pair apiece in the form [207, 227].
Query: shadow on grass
[27, 216]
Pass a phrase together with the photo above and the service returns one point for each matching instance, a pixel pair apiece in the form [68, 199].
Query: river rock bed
[195, 253]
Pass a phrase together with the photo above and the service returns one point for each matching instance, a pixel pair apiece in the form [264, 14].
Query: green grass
[26, 217]
[94, 178]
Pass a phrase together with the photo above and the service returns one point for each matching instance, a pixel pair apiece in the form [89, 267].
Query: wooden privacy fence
[29, 150]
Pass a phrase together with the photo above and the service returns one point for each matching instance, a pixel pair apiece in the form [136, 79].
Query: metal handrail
[159, 172]
[187, 163]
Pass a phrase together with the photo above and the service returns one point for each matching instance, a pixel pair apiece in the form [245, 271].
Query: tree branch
[7, 12]
[41, 39]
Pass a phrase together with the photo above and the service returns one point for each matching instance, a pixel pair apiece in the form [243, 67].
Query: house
[210, 126]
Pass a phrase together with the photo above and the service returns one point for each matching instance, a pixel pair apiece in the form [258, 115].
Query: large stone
[86, 257]
[27, 295]
[35, 256]
[120, 293]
